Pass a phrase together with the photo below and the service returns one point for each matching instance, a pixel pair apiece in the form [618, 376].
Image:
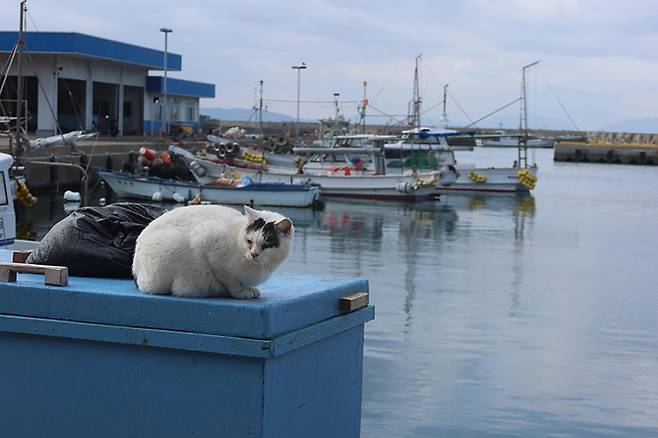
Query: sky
[600, 58]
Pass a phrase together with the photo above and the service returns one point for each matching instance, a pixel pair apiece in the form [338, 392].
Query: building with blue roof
[80, 81]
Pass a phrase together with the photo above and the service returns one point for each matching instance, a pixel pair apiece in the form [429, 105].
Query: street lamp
[299, 68]
[164, 85]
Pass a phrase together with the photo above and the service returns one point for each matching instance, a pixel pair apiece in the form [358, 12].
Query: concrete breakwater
[612, 153]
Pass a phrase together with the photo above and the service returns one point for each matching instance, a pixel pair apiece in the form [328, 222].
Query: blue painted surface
[72, 43]
[180, 87]
[287, 303]
[65, 374]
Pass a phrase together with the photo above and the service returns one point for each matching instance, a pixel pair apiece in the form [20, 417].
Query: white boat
[423, 148]
[339, 183]
[7, 214]
[503, 139]
[68, 138]
[278, 195]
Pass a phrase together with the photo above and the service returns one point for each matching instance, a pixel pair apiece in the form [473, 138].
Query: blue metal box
[98, 358]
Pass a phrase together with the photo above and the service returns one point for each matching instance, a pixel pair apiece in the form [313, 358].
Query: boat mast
[260, 109]
[19, 75]
[414, 105]
[364, 105]
[523, 123]
[444, 116]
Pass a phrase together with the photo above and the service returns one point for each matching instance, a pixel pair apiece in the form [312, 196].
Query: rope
[33, 23]
[493, 112]
[5, 69]
[404, 120]
[50, 107]
[558, 99]
[77, 108]
[460, 107]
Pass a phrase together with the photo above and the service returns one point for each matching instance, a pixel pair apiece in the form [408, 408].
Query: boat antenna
[523, 123]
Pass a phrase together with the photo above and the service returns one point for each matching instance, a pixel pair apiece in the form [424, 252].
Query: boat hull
[127, 186]
[498, 180]
[383, 187]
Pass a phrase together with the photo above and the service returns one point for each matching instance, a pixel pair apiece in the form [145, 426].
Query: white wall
[48, 68]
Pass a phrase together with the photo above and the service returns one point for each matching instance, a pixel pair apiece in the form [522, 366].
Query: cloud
[600, 57]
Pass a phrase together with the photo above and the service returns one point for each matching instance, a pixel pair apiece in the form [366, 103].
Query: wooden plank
[53, 275]
[349, 303]
[20, 256]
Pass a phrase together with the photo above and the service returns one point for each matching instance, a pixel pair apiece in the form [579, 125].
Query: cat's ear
[284, 226]
[250, 213]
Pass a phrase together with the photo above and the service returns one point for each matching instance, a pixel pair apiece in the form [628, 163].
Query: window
[190, 113]
[4, 199]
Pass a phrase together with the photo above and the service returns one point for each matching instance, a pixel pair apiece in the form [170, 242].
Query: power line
[309, 101]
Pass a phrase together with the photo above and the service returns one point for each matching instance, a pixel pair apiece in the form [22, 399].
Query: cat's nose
[254, 255]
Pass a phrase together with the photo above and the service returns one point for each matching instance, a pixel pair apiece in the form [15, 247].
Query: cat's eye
[249, 242]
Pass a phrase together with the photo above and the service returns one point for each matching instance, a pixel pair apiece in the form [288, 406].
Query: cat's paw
[246, 294]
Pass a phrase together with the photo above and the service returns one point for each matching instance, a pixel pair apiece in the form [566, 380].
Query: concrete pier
[611, 153]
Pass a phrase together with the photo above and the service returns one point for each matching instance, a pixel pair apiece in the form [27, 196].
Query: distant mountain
[642, 126]
[243, 114]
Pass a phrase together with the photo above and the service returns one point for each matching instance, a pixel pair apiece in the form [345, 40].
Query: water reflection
[499, 315]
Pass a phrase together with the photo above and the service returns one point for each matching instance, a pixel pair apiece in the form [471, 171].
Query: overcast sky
[600, 57]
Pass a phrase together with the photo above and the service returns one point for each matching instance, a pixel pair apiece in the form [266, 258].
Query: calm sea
[498, 315]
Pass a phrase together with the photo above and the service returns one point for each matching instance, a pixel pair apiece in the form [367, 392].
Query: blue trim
[181, 87]
[72, 43]
[4, 242]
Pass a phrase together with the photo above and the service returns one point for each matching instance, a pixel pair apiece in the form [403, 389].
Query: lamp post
[164, 85]
[299, 68]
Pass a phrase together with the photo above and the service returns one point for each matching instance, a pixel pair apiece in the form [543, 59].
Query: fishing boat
[340, 182]
[428, 148]
[267, 194]
[504, 139]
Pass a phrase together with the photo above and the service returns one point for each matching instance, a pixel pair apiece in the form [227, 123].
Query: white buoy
[178, 197]
[70, 196]
[102, 202]
[157, 197]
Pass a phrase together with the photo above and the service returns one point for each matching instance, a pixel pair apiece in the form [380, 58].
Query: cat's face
[267, 236]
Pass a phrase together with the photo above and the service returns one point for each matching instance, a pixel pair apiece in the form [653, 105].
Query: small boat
[504, 139]
[340, 182]
[278, 195]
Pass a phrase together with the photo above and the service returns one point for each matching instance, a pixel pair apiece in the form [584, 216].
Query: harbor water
[497, 315]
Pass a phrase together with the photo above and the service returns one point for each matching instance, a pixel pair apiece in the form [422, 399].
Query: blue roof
[72, 43]
[180, 87]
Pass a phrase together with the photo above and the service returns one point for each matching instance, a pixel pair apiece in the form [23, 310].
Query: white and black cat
[211, 250]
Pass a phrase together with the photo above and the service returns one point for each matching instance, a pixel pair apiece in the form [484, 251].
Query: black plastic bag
[96, 241]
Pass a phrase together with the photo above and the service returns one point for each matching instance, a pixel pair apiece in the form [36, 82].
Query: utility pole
[166, 31]
[299, 68]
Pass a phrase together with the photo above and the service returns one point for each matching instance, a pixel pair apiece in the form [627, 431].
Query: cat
[210, 251]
